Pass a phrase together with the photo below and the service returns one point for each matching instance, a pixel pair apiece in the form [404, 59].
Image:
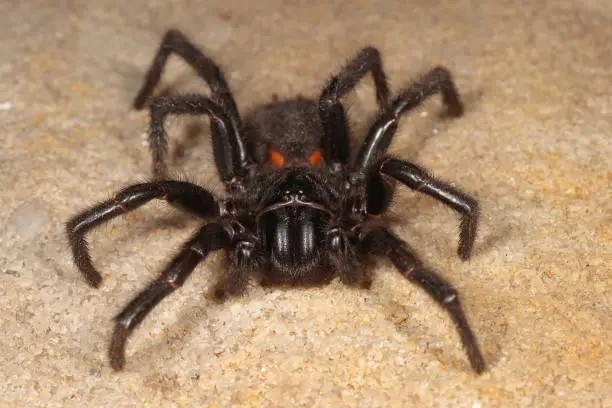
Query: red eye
[315, 157]
[276, 158]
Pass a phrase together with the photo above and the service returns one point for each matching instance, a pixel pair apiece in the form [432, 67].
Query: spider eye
[276, 158]
[315, 157]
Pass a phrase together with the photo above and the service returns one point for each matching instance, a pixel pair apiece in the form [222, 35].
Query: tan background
[534, 148]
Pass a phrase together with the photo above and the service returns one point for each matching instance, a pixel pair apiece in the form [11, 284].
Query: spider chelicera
[297, 210]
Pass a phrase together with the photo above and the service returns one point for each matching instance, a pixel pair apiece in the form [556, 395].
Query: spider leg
[335, 142]
[175, 42]
[340, 248]
[229, 149]
[242, 264]
[380, 134]
[382, 241]
[417, 179]
[210, 238]
[228, 146]
[185, 195]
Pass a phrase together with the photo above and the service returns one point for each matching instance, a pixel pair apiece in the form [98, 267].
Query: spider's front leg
[381, 133]
[382, 242]
[210, 238]
[340, 248]
[335, 142]
[417, 179]
[184, 195]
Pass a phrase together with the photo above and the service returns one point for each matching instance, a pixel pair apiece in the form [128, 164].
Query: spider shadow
[170, 218]
[488, 242]
[418, 331]
[423, 127]
[150, 227]
[195, 312]
[176, 332]
[191, 136]
[181, 80]
[491, 330]
[492, 238]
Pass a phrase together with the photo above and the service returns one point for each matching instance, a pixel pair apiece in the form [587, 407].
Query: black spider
[297, 211]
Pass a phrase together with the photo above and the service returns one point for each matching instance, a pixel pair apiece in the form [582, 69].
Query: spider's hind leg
[229, 149]
[231, 156]
[175, 42]
[335, 141]
[437, 80]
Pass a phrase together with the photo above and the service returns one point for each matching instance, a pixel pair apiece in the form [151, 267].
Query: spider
[298, 210]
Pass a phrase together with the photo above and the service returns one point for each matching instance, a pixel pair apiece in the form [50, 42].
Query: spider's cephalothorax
[297, 209]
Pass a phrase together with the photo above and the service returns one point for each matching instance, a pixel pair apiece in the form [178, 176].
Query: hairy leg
[417, 179]
[185, 195]
[210, 238]
[438, 80]
[229, 149]
[335, 142]
[382, 242]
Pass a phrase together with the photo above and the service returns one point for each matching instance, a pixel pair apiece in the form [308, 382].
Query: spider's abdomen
[293, 237]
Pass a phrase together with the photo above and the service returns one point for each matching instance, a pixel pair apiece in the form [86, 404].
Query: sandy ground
[533, 147]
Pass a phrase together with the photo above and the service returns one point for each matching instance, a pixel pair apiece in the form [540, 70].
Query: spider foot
[455, 110]
[116, 352]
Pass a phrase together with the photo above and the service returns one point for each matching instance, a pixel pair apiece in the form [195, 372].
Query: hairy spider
[297, 209]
